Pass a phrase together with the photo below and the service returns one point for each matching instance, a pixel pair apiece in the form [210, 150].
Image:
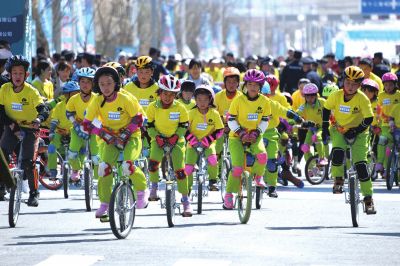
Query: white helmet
[169, 83]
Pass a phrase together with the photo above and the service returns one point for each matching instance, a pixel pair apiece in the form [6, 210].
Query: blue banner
[327, 39]
[168, 43]
[46, 20]
[67, 34]
[205, 38]
[233, 39]
[377, 35]
[16, 26]
[380, 6]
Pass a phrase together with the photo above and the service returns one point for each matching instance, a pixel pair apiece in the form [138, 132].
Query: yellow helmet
[144, 62]
[117, 66]
[354, 73]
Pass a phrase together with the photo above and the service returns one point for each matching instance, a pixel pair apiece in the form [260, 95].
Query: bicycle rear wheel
[14, 204]
[122, 210]
[354, 200]
[170, 202]
[259, 197]
[88, 179]
[65, 173]
[46, 181]
[245, 197]
[200, 181]
[391, 175]
[315, 174]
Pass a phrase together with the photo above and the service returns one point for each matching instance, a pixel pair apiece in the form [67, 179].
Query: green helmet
[329, 89]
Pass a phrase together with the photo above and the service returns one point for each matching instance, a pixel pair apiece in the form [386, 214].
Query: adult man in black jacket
[291, 74]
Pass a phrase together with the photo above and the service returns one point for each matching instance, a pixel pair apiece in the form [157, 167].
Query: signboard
[15, 26]
[380, 6]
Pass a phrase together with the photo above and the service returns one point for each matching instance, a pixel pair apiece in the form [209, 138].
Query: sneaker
[369, 205]
[260, 181]
[379, 168]
[102, 211]
[25, 186]
[187, 208]
[153, 193]
[142, 197]
[228, 201]
[212, 185]
[323, 161]
[75, 177]
[338, 186]
[33, 200]
[272, 192]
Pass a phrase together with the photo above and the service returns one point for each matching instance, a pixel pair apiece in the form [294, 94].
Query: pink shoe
[187, 208]
[75, 176]
[323, 161]
[379, 168]
[260, 181]
[228, 201]
[142, 199]
[102, 211]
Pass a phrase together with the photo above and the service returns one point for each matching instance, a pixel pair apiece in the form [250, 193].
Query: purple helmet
[254, 75]
[389, 77]
[370, 83]
[310, 88]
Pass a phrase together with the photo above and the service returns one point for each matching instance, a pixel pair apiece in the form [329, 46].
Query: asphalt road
[308, 226]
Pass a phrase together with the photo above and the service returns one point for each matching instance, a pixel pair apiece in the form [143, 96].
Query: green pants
[191, 160]
[54, 146]
[77, 145]
[320, 147]
[359, 152]
[178, 161]
[109, 155]
[237, 155]
[385, 142]
[271, 138]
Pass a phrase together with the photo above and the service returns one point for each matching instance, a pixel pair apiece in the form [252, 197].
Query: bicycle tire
[14, 204]
[65, 181]
[122, 202]
[392, 170]
[244, 198]
[311, 166]
[199, 194]
[354, 199]
[170, 202]
[88, 180]
[225, 169]
[259, 197]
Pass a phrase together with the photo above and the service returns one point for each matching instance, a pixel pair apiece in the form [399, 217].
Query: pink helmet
[370, 83]
[254, 75]
[169, 83]
[273, 82]
[389, 77]
[310, 88]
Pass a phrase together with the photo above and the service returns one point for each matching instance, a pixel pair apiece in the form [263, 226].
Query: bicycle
[393, 167]
[88, 177]
[201, 176]
[14, 204]
[244, 196]
[168, 173]
[225, 167]
[122, 207]
[315, 173]
[65, 166]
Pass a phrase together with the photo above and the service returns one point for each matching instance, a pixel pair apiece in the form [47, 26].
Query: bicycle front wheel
[391, 175]
[259, 197]
[88, 179]
[65, 180]
[354, 200]
[315, 174]
[170, 202]
[225, 169]
[14, 204]
[245, 197]
[200, 181]
[122, 210]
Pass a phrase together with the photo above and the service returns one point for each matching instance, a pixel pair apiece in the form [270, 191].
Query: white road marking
[202, 262]
[76, 260]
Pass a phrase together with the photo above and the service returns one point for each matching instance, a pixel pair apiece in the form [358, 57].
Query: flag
[168, 43]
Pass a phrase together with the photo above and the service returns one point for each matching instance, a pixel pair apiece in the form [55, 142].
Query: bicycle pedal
[105, 219]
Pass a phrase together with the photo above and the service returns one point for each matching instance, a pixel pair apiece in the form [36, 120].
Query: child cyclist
[185, 97]
[311, 111]
[60, 126]
[120, 129]
[22, 110]
[205, 127]
[386, 101]
[353, 115]
[248, 120]
[167, 122]
[75, 112]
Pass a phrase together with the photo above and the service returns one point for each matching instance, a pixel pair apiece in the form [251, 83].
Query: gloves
[253, 135]
[119, 143]
[207, 140]
[351, 133]
[80, 131]
[160, 141]
[308, 124]
[227, 130]
[192, 140]
[106, 136]
[122, 139]
[244, 137]
[173, 139]
[325, 134]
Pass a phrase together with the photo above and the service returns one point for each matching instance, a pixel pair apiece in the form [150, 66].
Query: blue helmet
[86, 72]
[70, 86]
[216, 89]
[266, 89]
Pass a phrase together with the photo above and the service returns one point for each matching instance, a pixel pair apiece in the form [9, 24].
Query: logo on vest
[114, 115]
[16, 107]
[144, 102]
[252, 117]
[386, 102]
[174, 116]
[201, 126]
[344, 109]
